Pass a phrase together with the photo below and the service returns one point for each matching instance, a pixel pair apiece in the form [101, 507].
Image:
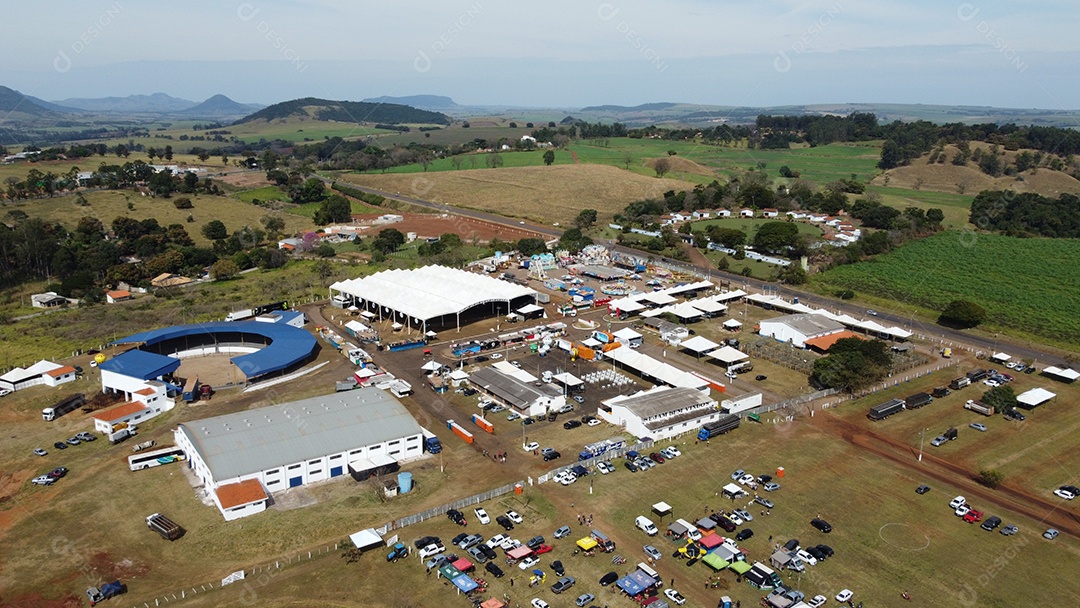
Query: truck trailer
[917, 400]
[167, 528]
[980, 407]
[728, 422]
[883, 411]
[431, 442]
[67, 405]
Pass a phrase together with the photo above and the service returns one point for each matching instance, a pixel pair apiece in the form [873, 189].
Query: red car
[657, 457]
[542, 549]
[973, 516]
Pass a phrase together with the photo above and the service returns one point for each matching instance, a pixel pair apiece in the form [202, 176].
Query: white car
[566, 478]
[956, 502]
[514, 517]
[604, 468]
[744, 514]
[962, 510]
[735, 518]
[528, 562]
[495, 356]
[1063, 493]
[674, 450]
[817, 602]
[844, 595]
[991, 383]
[538, 603]
[4, 392]
[497, 541]
[594, 422]
[482, 516]
[806, 557]
[674, 596]
[532, 446]
[746, 479]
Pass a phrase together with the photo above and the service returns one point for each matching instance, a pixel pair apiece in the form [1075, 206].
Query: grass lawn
[108, 205]
[985, 269]
[266, 193]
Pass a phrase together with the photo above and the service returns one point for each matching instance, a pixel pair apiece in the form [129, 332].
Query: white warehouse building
[799, 328]
[293, 444]
[660, 412]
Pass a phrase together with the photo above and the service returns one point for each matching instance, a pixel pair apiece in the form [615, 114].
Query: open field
[1036, 455]
[983, 268]
[545, 194]
[750, 225]
[107, 205]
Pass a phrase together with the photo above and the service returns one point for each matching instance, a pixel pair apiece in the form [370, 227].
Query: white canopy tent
[1064, 374]
[728, 355]
[1035, 397]
[699, 345]
[366, 539]
[732, 324]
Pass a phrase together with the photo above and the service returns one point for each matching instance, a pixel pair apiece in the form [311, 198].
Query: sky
[558, 53]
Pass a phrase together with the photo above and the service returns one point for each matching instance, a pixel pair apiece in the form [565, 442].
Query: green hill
[347, 111]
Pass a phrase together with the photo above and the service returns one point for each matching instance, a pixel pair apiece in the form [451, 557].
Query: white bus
[145, 460]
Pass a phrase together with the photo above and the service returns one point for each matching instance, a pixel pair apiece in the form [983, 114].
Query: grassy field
[544, 194]
[1020, 282]
[750, 226]
[108, 205]
[266, 193]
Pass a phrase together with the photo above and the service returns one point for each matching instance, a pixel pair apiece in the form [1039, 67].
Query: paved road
[946, 336]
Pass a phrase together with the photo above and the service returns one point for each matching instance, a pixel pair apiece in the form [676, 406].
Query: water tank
[404, 481]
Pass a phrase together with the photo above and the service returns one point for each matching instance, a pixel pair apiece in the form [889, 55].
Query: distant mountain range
[14, 103]
[437, 103]
[157, 103]
[347, 111]
[218, 106]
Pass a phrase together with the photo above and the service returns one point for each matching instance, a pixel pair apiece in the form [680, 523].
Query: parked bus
[145, 460]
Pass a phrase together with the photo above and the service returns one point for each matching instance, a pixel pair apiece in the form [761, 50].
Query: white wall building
[660, 412]
[294, 444]
[42, 372]
[146, 403]
[799, 328]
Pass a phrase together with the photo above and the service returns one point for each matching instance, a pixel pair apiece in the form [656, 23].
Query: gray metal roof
[509, 389]
[255, 440]
[656, 402]
[808, 324]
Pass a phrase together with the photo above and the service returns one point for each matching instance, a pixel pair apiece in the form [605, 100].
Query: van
[647, 570]
[645, 525]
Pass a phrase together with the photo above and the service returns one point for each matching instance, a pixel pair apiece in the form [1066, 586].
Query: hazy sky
[553, 53]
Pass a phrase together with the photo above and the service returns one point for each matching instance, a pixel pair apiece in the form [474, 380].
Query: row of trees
[1027, 214]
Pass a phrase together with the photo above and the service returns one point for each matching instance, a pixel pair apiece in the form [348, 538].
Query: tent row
[795, 307]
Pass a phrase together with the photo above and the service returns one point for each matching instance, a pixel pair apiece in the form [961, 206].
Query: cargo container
[459, 431]
[959, 383]
[479, 421]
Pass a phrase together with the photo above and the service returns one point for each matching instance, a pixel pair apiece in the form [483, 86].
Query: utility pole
[922, 437]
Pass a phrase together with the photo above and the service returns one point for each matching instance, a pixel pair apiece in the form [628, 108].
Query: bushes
[183, 203]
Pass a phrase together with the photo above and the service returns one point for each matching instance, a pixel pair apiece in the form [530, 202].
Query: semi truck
[913, 402]
[67, 405]
[431, 442]
[883, 411]
[191, 389]
[728, 422]
[167, 528]
[980, 407]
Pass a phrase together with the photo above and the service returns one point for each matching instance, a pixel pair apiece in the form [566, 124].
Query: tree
[388, 240]
[962, 314]
[549, 157]
[215, 230]
[573, 240]
[662, 166]
[183, 203]
[776, 237]
[223, 270]
[273, 224]
[1001, 398]
[852, 363]
[531, 246]
[891, 156]
[991, 478]
[168, 154]
[494, 160]
[335, 208]
[325, 250]
[586, 219]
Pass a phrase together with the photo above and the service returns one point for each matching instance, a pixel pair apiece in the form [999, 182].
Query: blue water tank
[404, 482]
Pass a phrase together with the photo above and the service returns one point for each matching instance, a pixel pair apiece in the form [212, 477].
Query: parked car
[1013, 414]
[956, 502]
[1064, 493]
[674, 596]
[514, 517]
[630, 466]
[772, 486]
[844, 595]
[991, 523]
[922, 489]
[39, 452]
[605, 467]
[542, 549]
[817, 602]
[73, 441]
[674, 451]
[765, 502]
[792, 544]
[822, 525]
[978, 426]
[1050, 534]
[571, 424]
[528, 562]
[562, 584]
[761, 377]
[471, 541]
[744, 534]
[962, 510]
[1009, 530]
[552, 455]
[817, 553]
[512, 416]
[657, 458]
[436, 562]
[584, 599]
[539, 603]
[534, 542]
[734, 517]
[426, 540]
[973, 516]
[594, 422]
[562, 532]
[826, 550]
[84, 436]
[652, 552]
[746, 479]
[456, 516]
[504, 522]
[578, 398]
[764, 478]
[43, 480]
[477, 554]
[532, 446]
[609, 578]
[806, 557]
[460, 537]
[60, 445]
[482, 516]
[494, 569]
[938, 441]
[557, 568]
[737, 475]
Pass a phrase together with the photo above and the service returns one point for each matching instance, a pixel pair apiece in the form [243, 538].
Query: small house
[49, 299]
[721, 213]
[118, 295]
[770, 212]
[744, 212]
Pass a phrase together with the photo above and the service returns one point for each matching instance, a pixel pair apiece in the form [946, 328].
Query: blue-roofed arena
[255, 349]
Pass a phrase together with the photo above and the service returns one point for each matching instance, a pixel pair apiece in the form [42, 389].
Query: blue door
[335, 471]
[295, 481]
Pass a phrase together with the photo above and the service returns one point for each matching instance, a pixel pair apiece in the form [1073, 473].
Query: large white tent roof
[430, 291]
[729, 355]
[1035, 396]
[1062, 373]
[699, 344]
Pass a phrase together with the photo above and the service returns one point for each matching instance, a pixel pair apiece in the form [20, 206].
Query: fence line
[442, 509]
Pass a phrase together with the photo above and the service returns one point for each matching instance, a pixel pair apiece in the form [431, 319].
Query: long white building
[660, 412]
[293, 444]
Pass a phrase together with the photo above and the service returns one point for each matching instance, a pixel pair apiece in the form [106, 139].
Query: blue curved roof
[141, 364]
[288, 345]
